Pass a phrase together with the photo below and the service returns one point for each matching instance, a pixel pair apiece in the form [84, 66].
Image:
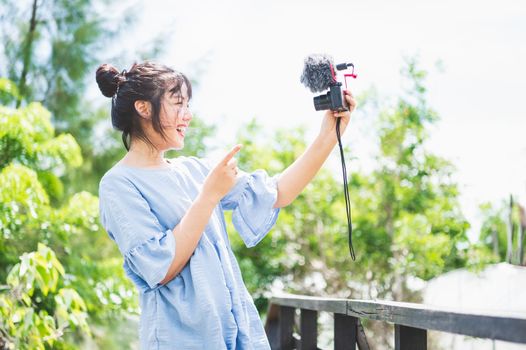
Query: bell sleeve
[147, 248]
[252, 201]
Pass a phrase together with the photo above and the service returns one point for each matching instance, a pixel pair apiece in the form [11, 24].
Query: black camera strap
[345, 189]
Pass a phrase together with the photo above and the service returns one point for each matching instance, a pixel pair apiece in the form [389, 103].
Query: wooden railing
[411, 323]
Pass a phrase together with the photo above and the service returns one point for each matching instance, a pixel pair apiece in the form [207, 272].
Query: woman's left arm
[294, 179]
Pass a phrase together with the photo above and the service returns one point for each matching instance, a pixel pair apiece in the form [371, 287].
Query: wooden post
[409, 338]
[344, 332]
[286, 323]
[309, 329]
[509, 236]
[495, 240]
[522, 232]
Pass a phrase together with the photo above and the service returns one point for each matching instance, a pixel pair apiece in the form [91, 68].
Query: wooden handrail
[411, 321]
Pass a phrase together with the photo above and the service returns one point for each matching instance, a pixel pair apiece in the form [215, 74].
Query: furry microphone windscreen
[317, 74]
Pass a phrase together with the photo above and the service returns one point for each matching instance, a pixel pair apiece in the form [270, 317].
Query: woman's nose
[187, 116]
[184, 114]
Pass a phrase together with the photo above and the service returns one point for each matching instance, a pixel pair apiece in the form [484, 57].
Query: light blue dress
[207, 305]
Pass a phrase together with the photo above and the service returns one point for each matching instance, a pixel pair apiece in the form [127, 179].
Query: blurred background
[436, 154]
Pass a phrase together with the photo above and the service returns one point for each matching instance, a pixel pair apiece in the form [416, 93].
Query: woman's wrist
[208, 199]
[326, 140]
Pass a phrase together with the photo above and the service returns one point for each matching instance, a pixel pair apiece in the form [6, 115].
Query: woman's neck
[143, 155]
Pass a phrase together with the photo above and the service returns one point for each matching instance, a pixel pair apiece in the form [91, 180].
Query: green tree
[26, 325]
[493, 231]
[416, 211]
[406, 215]
[50, 49]
[502, 227]
[32, 157]
[50, 53]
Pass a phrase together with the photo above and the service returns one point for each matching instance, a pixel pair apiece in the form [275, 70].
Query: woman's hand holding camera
[328, 126]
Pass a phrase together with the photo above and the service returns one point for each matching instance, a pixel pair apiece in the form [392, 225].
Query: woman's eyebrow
[179, 97]
[175, 89]
[176, 94]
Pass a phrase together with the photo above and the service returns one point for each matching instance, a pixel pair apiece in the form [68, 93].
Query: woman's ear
[144, 108]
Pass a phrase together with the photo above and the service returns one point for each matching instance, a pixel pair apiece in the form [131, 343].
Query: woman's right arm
[189, 230]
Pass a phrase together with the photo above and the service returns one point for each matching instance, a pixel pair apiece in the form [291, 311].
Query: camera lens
[322, 102]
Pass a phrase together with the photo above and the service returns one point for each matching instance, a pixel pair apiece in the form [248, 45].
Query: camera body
[319, 74]
[333, 99]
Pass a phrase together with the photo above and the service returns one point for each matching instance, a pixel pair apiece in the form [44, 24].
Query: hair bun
[107, 79]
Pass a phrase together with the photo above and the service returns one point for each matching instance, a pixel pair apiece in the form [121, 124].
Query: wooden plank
[286, 324]
[344, 332]
[409, 338]
[507, 328]
[332, 305]
[309, 329]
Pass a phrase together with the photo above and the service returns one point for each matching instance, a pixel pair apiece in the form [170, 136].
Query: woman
[166, 215]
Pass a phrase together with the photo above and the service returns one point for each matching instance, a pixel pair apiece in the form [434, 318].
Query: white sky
[250, 56]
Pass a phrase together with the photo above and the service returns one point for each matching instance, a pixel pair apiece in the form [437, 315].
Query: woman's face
[175, 118]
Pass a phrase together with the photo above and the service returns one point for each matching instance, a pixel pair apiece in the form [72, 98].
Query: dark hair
[145, 81]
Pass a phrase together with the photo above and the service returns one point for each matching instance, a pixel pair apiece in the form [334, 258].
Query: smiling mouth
[181, 130]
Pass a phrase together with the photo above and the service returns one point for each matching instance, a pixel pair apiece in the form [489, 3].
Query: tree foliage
[82, 275]
[25, 322]
[406, 215]
[50, 54]
[51, 47]
[503, 229]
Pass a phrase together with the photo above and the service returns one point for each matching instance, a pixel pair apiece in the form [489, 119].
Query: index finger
[232, 153]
